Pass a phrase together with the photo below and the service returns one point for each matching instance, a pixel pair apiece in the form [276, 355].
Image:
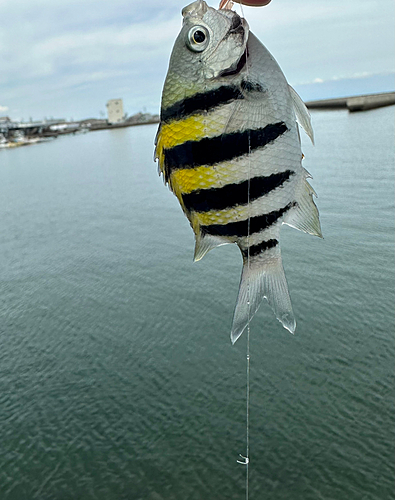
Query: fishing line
[249, 319]
[249, 310]
[247, 456]
[245, 459]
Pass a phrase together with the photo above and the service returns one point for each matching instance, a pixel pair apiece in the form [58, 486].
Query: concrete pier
[355, 103]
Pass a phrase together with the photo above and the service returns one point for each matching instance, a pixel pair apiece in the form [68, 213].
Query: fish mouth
[238, 28]
[237, 25]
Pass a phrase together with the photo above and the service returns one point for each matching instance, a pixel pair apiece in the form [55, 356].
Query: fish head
[211, 42]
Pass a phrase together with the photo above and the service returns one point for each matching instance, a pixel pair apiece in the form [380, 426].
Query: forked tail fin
[262, 277]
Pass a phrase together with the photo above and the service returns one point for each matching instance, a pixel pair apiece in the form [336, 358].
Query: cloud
[3, 109]
[71, 55]
[353, 76]
[110, 45]
[326, 38]
[42, 51]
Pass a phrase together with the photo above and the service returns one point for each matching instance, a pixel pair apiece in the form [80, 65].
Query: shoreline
[31, 133]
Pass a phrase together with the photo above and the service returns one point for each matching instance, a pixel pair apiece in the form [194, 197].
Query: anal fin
[305, 216]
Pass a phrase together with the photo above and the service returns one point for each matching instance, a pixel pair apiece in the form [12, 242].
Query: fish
[228, 146]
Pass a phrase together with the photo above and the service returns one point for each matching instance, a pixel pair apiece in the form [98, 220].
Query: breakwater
[355, 103]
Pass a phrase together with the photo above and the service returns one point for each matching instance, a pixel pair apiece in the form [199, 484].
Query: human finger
[253, 3]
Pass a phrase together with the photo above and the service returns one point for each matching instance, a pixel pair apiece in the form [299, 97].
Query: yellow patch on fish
[204, 177]
[190, 179]
[177, 132]
[222, 216]
[193, 128]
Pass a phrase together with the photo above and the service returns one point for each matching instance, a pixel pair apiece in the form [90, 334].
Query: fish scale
[228, 145]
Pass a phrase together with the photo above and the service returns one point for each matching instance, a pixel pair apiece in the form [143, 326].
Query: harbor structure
[355, 103]
[5, 123]
[18, 133]
[115, 112]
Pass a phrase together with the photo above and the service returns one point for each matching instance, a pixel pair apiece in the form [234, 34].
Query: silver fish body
[228, 145]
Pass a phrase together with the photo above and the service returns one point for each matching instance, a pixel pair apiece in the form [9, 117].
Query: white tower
[115, 111]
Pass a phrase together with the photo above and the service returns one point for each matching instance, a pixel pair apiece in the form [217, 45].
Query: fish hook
[244, 461]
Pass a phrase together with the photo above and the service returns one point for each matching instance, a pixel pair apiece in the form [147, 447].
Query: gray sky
[66, 58]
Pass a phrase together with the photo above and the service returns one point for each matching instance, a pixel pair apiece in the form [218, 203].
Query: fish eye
[197, 38]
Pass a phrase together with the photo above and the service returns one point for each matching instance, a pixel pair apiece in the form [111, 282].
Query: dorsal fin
[302, 113]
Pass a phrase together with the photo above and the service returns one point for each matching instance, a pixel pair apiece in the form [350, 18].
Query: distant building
[115, 111]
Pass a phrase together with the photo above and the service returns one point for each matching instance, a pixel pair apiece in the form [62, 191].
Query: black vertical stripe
[255, 250]
[242, 228]
[201, 102]
[226, 147]
[250, 86]
[203, 200]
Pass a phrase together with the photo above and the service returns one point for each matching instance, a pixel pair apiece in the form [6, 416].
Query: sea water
[117, 376]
